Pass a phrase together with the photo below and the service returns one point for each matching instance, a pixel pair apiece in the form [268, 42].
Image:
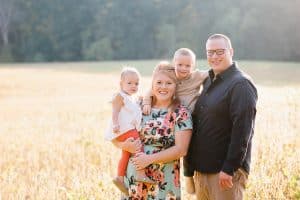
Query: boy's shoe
[120, 185]
[190, 185]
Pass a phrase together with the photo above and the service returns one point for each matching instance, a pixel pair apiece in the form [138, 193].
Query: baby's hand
[146, 109]
[116, 128]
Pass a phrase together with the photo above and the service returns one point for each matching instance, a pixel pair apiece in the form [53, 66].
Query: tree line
[76, 30]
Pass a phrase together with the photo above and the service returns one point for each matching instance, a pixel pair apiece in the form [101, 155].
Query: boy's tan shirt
[187, 90]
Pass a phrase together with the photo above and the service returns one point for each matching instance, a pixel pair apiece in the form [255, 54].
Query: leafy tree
[71, 30]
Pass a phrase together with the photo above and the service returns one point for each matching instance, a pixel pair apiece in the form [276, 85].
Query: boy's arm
[147, 99]
[117, 104]
[200, 75]
[146, 104]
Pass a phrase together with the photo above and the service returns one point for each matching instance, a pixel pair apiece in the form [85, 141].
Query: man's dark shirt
[223, 123]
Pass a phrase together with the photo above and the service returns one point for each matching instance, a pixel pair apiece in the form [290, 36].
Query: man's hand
[225, 181]
[146, 109]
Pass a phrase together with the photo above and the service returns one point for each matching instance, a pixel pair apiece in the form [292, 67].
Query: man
[224, 115]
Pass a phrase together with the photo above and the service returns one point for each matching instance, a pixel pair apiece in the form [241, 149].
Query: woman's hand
[130, 145]
[141, 160]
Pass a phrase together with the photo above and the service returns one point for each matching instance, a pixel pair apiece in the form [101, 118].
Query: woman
[165, 134]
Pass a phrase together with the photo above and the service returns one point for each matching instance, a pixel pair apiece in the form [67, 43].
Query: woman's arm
[182, 140]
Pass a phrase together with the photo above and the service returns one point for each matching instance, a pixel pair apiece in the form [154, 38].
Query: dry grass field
[51, 135]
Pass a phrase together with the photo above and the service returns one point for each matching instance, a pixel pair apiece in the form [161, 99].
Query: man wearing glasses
[223, 118]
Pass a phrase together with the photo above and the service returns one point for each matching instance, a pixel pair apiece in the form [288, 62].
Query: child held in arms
[125, 122]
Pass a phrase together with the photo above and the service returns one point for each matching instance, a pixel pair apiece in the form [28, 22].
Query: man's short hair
[221, 36]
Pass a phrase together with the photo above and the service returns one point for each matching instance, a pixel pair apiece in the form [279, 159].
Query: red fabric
[123, 162]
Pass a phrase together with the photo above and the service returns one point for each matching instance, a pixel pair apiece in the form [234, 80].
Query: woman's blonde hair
[166, 68]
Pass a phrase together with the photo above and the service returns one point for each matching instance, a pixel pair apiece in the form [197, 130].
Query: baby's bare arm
[117, 104]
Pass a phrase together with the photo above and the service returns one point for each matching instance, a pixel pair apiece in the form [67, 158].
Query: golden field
[51, 135]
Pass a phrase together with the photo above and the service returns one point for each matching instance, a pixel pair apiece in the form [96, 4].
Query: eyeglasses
[218, 52]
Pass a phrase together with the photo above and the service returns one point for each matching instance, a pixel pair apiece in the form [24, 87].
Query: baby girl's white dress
[130, 117]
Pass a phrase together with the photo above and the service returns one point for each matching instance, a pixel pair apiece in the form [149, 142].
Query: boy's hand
[116, 129]
[146, 109]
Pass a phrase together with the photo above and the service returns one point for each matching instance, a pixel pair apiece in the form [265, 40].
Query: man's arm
[242, 113]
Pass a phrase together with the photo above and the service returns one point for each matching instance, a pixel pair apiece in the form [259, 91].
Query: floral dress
[158, 133]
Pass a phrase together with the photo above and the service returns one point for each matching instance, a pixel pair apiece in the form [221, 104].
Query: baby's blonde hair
[129, 70]
[185, 52]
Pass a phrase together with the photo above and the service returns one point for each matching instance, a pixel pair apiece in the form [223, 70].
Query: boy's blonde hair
[129, 70]
[185, 52]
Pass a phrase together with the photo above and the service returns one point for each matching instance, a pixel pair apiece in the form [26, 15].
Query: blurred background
[96, 30]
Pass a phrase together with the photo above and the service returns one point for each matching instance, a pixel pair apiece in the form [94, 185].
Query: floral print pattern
[158, 133]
